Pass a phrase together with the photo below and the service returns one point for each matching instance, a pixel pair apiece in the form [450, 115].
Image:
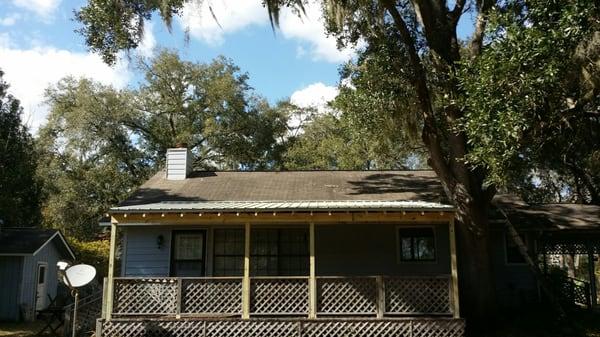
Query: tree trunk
[476, 277]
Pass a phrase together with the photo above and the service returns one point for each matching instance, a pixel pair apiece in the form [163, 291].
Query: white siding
[142, 257]
[179, 163]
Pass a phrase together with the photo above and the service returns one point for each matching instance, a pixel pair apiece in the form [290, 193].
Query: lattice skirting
[281, 328]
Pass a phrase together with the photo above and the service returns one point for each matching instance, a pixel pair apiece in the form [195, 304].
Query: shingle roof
[25, 241]
[555, 217]
[289, 190]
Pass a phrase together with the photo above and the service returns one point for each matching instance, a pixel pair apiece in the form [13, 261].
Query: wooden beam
[175, 218]
[312, 278]
[111, 270]
[246, 280]
[454, 270]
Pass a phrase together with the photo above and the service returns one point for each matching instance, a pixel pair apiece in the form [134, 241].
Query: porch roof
[272, 206]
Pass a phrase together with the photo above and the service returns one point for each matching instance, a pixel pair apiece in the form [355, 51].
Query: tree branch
[483, 7]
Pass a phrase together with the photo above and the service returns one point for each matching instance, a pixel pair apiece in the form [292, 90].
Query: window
[513, 255]
[188, 253]
[416, 244]
[279, 252]
[229, 252]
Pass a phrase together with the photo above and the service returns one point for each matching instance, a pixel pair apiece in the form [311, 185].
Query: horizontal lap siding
[142, 257]
[10, 281]
[515, 283]
[371, 249]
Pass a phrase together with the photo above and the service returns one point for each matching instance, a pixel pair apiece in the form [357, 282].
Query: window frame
[172, 258]
[215, 255]
[279, 255]
[399, 258]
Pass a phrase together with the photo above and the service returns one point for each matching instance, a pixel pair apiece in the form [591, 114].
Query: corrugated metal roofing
[270, 206]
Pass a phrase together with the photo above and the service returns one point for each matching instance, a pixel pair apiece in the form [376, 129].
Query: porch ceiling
[284, 206]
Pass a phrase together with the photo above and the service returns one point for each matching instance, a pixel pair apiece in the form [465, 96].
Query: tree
[210, 107]
[450, 99]
[19, 188]
[87, 158]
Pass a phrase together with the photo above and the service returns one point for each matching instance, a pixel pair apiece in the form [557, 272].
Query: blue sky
[38, 46]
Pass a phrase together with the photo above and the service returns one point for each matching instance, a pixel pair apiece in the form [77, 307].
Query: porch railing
[284, 296]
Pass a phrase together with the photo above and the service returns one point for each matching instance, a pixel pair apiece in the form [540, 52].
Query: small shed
[28, 278]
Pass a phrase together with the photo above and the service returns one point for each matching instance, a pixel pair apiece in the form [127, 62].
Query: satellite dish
[79, 275]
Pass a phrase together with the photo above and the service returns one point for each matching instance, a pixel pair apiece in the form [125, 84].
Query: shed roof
[28, 241]
[289, 190]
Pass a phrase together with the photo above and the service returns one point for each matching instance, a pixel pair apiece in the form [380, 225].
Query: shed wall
[50, 255]
[11, 270]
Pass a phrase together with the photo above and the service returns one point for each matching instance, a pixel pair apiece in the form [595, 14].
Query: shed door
[40, 296]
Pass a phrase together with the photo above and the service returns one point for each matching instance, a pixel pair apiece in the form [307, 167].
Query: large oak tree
[482, 103]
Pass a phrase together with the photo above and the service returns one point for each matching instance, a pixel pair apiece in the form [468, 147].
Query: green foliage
[210, 107]
[94, 253]
[531, 99]
[87, 158]
[19, 188]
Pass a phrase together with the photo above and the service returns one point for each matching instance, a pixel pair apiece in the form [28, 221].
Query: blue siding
[50, 255]
[10, 282]
[141, 256]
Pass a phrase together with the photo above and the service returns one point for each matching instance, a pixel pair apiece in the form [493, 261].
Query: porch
[284, 274]
[372, 296]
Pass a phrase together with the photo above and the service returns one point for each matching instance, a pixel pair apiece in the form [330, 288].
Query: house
[28, 278]
[290, 253]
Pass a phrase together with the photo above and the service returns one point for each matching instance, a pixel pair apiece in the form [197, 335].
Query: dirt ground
[21, 329]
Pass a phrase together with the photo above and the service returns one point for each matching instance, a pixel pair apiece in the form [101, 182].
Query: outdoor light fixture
[160, 240]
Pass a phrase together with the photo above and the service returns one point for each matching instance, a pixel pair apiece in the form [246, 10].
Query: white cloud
[41, 7]
[232, 16]
[237, 15]
[146, 47]
[10, 19]
[310, 29]
[30, 71]
[316, 95]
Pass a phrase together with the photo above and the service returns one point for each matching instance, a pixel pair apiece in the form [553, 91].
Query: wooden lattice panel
[351, 296]
[417, 295]
[279, 296]
[282, 328]
[212, 296]
[145, 296]
[438, 328]
[253, 328]
[353, 328]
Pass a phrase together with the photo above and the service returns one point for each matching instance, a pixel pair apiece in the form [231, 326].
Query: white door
[41, 294]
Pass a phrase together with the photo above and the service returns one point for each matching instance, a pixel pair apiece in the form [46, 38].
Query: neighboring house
[290, 253]
[28, 279]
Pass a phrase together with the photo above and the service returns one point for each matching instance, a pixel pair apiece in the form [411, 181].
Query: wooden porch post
[312, 279]
[454, 270]
[592, 271]
[246, 280]
[111, 269]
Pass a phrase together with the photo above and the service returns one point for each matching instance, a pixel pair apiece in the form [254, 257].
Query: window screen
[187, 257]
[416, 244]
[229, 252]
[279, 252]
